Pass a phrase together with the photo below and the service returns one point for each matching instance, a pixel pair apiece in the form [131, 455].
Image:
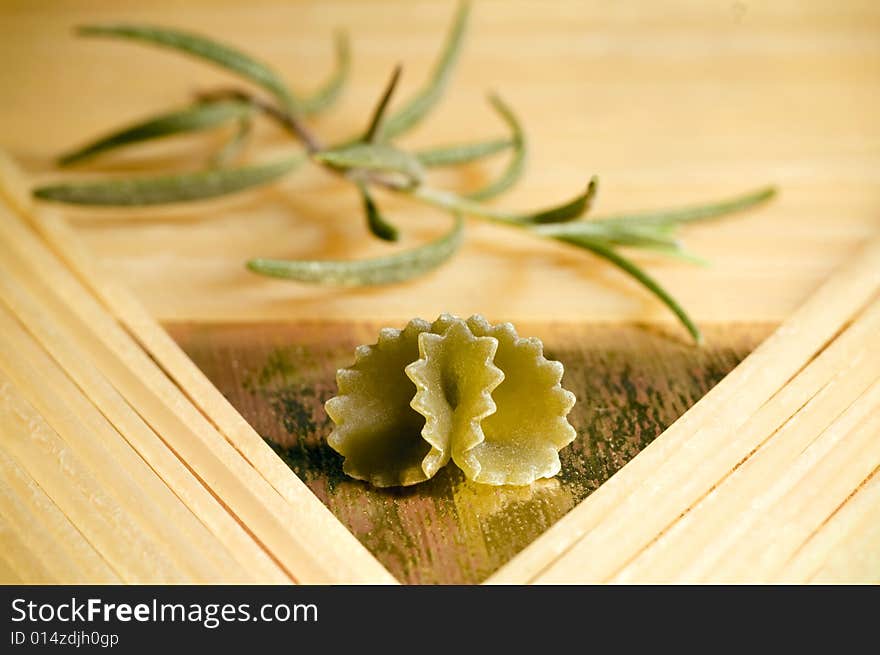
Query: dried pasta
[461, 390]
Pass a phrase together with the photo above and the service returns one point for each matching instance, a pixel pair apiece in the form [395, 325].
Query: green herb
[462, 153]
[375, 221]
[381, 270]
[165, 189]
[574, 208]
[379, 157]
[327, 94]
[418, 107]
[192, 119]
[517, 163]
[232, 148]
[368, 160]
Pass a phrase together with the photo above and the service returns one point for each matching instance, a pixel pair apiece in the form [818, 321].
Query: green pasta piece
[453, 390]
[192, 119]
[204, 48]
[166, 189]
[362, 272]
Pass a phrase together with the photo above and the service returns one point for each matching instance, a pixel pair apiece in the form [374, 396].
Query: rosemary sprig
[574, 208]
[517, 163]
[217, 53]
[462, 153]
[378, 157]
[398, 267]
[377, 223]
[368, 160]
[191, 119]
[602, 250]
[165, 189]
[328, 92]
[423, 102]
[695, 213]
[376, 122]
[233, 147]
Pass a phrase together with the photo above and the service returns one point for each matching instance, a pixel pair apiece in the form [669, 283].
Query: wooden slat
[64, 347]
[34, 537]
[834, 540]
[22, 563]
[268, 515]
[342, 553]
[115, 465]
[681, 465]
[8, 573]
[827, 472]
[764, 264]
[56, 530]
[822, 391]
[26, 436]
[856, 559]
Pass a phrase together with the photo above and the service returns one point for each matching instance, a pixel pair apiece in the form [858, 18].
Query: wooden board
[671, 103]
[630, 383]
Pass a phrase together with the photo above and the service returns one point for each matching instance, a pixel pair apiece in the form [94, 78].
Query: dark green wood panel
[631, 383]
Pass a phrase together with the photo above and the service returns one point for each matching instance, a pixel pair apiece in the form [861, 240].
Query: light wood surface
[273, 537]
[670, 103]
[710, 456]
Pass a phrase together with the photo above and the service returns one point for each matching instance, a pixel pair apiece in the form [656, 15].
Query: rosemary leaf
[164, 189]
[328, 92]
[461, 153]
[373, 157]
[602, 250]
[199, 46]
[375, 221]
[516, 166]
[192, 119]
[418, 107]
[695, 212]
[381, 270]
[576, 208]
[638, 236]
[677, 252]
[232, 148]
[565, 212]
[379, 111]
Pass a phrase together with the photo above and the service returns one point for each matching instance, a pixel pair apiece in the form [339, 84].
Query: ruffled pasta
[453, 390]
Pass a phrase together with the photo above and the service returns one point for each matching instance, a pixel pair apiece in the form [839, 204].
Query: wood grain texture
[50, 530]
[630, 385]
[703, 446]
[699, 451]
[670, 102]
[88, 332]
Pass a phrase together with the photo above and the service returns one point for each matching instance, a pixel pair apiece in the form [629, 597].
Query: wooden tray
[770, 476]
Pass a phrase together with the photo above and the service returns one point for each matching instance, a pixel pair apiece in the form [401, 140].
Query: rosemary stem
[454, 202]
[291, 122]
